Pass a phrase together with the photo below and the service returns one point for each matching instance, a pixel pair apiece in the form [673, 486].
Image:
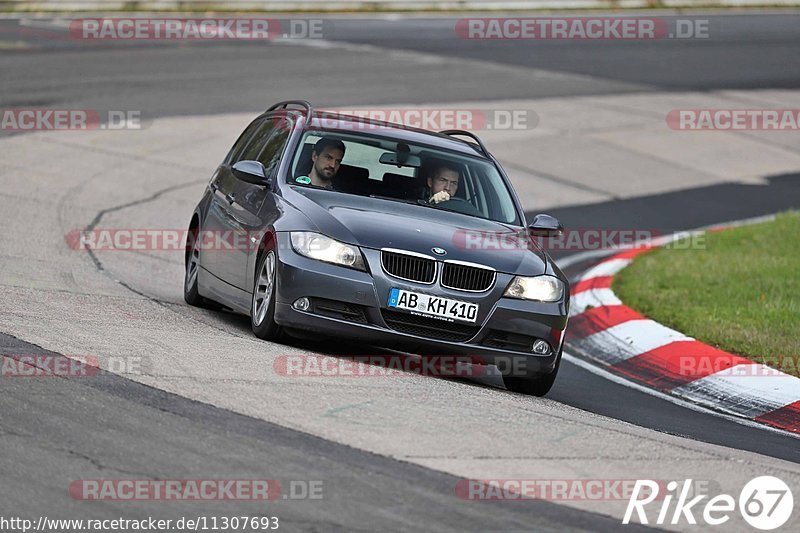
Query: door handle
[230, 197]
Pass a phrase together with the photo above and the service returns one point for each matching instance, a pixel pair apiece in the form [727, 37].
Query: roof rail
[300, 103]
[471, 135]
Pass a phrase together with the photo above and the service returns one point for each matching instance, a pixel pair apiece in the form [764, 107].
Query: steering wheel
[459, 205]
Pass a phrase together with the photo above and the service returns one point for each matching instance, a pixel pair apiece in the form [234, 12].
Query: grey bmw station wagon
[345, 227]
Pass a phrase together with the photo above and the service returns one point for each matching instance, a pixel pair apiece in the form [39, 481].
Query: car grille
[509, 341]
[429, 327]
[408, 267]
[467, 278]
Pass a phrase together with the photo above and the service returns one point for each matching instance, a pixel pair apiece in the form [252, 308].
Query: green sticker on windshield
[305, 180]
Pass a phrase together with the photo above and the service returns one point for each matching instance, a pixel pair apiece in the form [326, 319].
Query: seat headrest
[304, 166]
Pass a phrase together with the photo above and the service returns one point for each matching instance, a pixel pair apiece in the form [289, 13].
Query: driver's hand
[441, 196]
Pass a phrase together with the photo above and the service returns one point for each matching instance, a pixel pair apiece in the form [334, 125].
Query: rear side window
[258, 140]
[272, 149]
[241, 142]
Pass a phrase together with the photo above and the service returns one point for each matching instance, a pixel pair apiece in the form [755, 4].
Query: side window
[241, 142]
[475, 191]
[257, 142]
[273, 148]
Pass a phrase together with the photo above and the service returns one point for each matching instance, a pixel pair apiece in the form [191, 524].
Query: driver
[325, 159]
[442, 183]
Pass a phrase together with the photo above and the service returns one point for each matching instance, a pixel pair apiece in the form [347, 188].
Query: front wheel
[533, 386]
[190, 292]
[262, 310]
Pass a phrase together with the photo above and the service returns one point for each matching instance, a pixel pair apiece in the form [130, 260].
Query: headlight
[540, 288]
[322, 248]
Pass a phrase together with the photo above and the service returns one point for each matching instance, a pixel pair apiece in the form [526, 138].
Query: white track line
[629, 339]
[747, 390]
[592, 298]
[606, 268]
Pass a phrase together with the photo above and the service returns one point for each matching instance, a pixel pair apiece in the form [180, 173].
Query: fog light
[541, 347]
[302, 304]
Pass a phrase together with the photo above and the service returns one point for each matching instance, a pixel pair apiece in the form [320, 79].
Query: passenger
[325, 160]
[442, 182]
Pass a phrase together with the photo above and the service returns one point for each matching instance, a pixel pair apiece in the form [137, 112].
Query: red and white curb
[604, 330]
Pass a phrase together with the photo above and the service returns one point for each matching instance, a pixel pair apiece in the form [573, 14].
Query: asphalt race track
[389, 452]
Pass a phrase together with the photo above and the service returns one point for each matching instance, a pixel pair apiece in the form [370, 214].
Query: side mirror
[251, 172]
[545, 226]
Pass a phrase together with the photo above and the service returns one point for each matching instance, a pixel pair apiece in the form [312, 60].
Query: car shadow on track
[378, 356]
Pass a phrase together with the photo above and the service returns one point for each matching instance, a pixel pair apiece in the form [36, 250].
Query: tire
[262, 307]
[533, 386]
[192, 271]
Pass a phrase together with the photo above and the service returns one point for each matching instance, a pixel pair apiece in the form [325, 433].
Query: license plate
[434, 306]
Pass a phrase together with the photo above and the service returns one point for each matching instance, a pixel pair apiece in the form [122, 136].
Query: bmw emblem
[439, 251]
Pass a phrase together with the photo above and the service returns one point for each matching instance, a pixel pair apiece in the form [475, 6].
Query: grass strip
[739, 293]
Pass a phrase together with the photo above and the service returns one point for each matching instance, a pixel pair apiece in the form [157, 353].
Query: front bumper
[498, 337]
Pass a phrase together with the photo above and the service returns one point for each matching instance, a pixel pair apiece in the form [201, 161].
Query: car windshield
[389, 169]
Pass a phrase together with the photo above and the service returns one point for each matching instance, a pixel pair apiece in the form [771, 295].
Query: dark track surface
[104, 426]
[739, 53]
[758, 51]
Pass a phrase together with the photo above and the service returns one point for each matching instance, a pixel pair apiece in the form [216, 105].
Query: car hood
[376, 223]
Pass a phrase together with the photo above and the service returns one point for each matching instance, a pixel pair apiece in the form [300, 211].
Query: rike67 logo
[765, 503]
